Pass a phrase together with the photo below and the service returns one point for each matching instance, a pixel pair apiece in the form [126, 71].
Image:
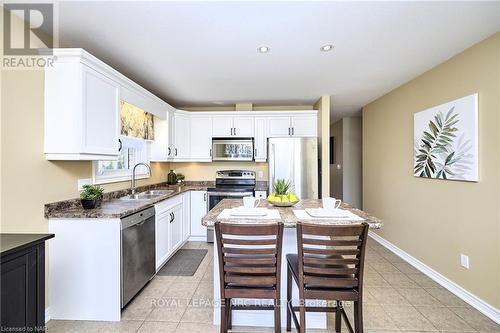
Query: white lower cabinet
[162, 238]
[178, 219]
[199, 206]
[186, 225]
[176, 223]
[260, 194]
[169, 228]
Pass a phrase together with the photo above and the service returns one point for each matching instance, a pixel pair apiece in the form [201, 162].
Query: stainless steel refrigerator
[296, 160]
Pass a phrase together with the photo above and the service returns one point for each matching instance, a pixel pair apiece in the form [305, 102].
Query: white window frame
[126, 175]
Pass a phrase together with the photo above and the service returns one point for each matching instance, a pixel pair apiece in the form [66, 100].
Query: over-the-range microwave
[232, 149]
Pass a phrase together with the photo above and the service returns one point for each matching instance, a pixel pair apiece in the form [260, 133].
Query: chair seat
[293, 262]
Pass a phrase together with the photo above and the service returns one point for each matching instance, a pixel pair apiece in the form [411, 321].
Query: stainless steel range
[234, 184]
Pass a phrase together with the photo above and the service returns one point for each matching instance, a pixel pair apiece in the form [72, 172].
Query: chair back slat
[331, 256]
[249, 257]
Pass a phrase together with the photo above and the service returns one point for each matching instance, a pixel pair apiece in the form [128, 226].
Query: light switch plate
[260, 174]
[464, 261]
[81, 182]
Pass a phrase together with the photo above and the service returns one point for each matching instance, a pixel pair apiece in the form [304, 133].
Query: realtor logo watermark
[28, 35]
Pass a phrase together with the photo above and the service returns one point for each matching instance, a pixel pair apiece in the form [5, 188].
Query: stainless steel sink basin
[157, 192]
[148, 195]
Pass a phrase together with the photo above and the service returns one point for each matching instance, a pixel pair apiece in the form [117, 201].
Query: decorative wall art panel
[446, 140]
[135, 122]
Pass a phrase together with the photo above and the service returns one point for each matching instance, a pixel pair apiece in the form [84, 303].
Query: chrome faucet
[133, 175]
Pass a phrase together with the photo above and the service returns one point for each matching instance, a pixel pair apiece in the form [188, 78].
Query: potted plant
[180, 178]
[91, 196]
[281, 195]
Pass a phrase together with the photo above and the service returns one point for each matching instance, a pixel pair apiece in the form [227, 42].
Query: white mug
[249, 202]
[331, 203]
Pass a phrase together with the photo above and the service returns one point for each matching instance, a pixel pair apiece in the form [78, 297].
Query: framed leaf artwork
[446, 141]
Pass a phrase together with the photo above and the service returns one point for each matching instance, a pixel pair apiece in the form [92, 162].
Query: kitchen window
[133, 151]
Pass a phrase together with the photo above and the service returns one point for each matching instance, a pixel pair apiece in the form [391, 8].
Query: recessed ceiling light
[326, 48]
[264, 49]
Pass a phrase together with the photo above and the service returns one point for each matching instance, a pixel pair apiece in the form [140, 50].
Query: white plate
[241, 211]
[322, 212]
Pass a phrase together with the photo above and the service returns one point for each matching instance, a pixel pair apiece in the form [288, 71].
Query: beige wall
[352, 154]
[434, 220]
[336, 173]
[206, 171]
[323, 107]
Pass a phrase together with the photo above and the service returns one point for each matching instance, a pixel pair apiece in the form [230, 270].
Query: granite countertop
[287, 216]
[10, 243]
[113, 207]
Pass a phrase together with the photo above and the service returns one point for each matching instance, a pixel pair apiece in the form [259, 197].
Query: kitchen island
[289, 219]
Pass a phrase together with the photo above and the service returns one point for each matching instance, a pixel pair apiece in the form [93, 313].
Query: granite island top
[287, 216]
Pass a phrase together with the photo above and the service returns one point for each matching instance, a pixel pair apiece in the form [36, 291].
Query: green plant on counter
[91, 192]
[281, 187]
[180, 177]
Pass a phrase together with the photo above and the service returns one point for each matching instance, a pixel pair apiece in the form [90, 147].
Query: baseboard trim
[47, 314]
[471, 299]
[197, 239]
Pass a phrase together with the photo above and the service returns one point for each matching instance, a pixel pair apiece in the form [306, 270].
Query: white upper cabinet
[232, 126]
[279, 126]
[100, 107]
[181, 134]
[260, 139]
[82, 107]
[243, 126]
[222, 126]
[81, 113]
[201, 139]
[160, 146]
[304, 126]
[292, 126]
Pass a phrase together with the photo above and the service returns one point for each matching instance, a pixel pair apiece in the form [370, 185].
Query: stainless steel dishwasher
[137, 252]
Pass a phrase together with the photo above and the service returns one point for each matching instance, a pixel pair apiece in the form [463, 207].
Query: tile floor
[397, 298]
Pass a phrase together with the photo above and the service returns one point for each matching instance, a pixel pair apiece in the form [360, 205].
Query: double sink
[147, 195]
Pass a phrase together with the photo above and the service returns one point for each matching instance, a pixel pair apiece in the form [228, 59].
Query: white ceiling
[205, 53]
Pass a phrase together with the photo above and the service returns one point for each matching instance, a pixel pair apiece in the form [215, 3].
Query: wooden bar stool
[329, 269]
[249, 267]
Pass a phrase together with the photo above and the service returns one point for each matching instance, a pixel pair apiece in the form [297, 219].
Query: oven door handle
[231, 194]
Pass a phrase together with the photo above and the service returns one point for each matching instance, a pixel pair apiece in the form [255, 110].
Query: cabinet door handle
[289, 131]
[255, 152]
[169, 151]
[170, 221]
[175, 151]
[120, 145]
[204, 196]
[173, 217]
[235, 131]
[210, 152]
[231, 131]
[293, 130]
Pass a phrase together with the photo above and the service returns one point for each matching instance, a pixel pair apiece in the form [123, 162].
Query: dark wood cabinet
[22, 280]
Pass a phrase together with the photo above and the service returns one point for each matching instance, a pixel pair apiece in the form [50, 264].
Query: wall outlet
[81, 182]
[464, 261]
[260, 174]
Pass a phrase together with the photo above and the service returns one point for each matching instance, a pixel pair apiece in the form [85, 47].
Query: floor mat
[184, 263]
